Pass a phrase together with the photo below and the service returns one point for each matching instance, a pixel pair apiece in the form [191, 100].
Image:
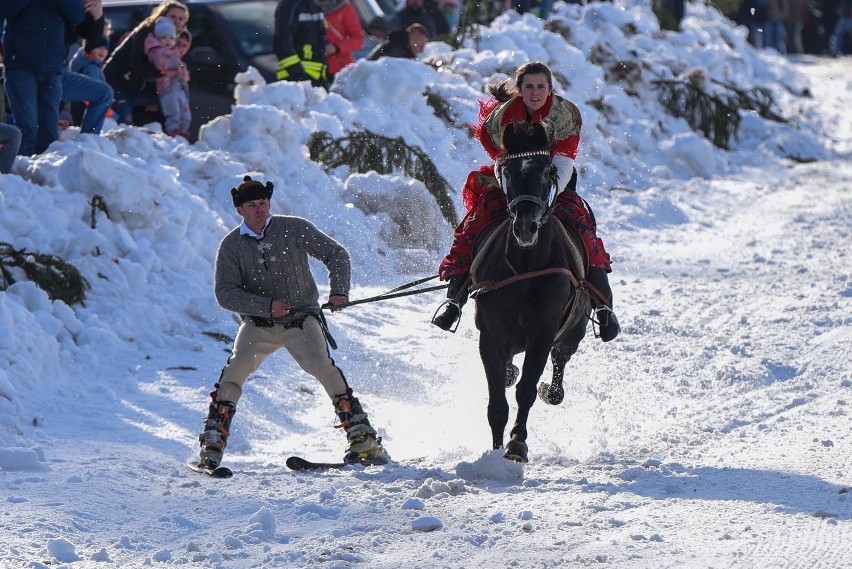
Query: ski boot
[364, 446]
[607, 322]
[456, 298]
[217, 426]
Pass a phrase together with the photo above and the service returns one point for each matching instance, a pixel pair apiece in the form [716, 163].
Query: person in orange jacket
[344, 35]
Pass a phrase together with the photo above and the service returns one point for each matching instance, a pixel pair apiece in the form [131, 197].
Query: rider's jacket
[561, 116]
[299, 42]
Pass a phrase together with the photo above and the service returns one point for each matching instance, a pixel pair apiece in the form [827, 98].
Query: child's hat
[164, 27]
[93, 45]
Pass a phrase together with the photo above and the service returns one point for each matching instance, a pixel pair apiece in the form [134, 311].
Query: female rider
[531, 99]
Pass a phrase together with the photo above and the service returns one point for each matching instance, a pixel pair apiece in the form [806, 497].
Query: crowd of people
[59, 65]
[798, 26]
[57, 60]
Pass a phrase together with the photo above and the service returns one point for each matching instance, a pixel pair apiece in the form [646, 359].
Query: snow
[714, 432]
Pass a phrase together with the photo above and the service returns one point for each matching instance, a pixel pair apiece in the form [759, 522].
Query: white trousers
[253, 345]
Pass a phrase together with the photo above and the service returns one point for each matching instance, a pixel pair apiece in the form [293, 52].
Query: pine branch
[365, 151]
[59, 279]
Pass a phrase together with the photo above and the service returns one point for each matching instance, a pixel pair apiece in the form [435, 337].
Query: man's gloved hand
[336, 300]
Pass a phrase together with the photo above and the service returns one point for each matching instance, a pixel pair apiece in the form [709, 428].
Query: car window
[253, 23]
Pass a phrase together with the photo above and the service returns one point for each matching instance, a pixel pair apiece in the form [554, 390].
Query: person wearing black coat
[405, 43]
[299, 42]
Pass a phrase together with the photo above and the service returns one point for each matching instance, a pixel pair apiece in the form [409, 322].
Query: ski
[298, 464]
[218, 472]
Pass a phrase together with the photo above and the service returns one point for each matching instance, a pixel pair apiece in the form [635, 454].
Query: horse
[527, 297]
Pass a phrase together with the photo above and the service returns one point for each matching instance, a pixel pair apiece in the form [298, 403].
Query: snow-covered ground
[714, 432]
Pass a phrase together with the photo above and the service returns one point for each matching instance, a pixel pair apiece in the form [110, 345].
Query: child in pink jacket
[165, 54]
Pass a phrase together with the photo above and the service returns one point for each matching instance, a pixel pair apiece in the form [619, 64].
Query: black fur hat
[251, 190]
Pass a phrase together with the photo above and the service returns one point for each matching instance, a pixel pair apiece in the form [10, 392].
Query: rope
[393, 293]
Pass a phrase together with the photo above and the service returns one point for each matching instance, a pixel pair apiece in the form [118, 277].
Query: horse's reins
[393, 293]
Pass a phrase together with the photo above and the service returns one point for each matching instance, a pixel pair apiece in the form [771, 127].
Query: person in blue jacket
[36, 53]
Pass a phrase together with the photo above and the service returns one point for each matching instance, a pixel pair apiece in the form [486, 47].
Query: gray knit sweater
[251, 273]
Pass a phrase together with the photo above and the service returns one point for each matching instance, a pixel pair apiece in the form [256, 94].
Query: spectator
[757, 20]
[405, 43]
[774, 32]
[130, 72]
[36, 55]
[344, 34]
[299, 42]
[10, 135]
[442, 24]
[545, 6]
[450, 10]
[163, 51]
[376, 32]
[10, 141]
[417, 12]
[794, 24]
[842, 36]
[89, 87]
[522, 6]
[89, 59]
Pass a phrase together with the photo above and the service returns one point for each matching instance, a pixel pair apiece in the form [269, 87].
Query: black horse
[527, 298]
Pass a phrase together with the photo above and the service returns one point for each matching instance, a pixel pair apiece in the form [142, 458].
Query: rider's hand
[336, 300]
[280, 308]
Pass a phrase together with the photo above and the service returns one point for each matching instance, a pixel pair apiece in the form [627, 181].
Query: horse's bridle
[546, 206]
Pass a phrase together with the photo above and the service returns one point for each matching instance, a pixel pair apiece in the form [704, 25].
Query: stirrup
[611, 320]
[447, 303]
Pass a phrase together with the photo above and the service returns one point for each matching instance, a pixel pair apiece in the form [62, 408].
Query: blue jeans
[10, 141]
[79, 87]
[125, 101]
[774, 36]
[835, 42]
[34, 97]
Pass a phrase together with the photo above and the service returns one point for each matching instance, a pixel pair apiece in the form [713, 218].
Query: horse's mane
[524, 136]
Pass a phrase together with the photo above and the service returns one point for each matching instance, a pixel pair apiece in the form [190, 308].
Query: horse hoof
[517, 451]
[550, 394]
[512, 373]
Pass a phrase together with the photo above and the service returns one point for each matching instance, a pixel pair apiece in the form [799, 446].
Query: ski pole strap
[317, 313]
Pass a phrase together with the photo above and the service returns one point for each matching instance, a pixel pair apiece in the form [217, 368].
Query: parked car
[227, 37]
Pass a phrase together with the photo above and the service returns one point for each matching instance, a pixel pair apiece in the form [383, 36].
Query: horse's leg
[512, 373]
[534, 362]
[554, 393]
[566, 346]
[495, 372]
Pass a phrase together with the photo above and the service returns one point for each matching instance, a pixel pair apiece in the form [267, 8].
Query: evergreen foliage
[441, 107]
[716, 116]
[364, 151]
[59, 279]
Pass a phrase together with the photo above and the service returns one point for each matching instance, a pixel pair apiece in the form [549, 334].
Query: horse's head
[528, 178]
